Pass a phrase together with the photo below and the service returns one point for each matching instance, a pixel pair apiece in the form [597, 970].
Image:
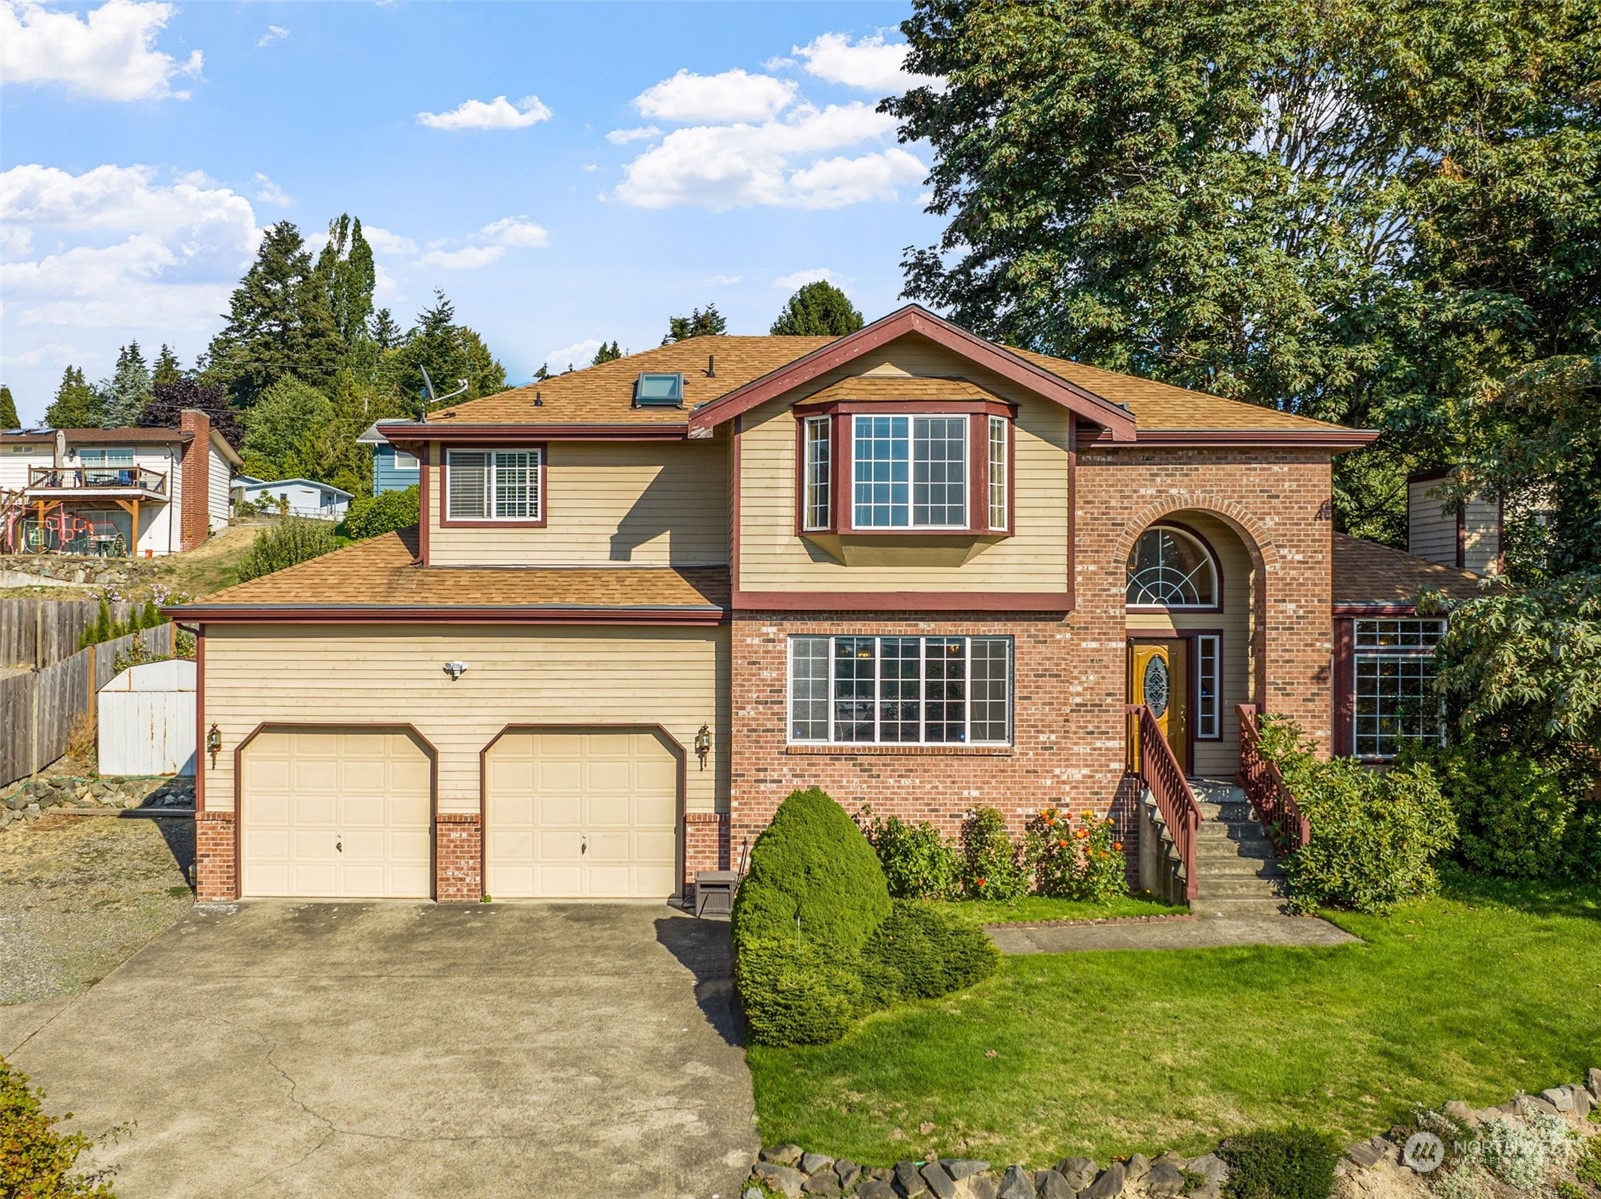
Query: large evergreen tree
[818, 309]
[606, 353]
[385, 332]
[346, 274]
[279, 322]
[129, 390]
[448, 351]
[8, 409]
[77, 405]
[1233, 196]
[698, 323]
[166, 368]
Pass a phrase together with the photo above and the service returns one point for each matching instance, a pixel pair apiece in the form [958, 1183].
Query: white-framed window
[867, 690]
[494, 484]
[1169, 568]
[405, 461]
[817, 475]
[998, 471]
[1208, 687]
[106, 464]
[1393, 683]
[909, 472]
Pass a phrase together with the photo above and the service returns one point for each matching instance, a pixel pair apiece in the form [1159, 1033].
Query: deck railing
[1264, 786]
[95, 478]
[1151, 757]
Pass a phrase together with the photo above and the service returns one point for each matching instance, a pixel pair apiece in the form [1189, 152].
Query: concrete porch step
[1214, 886]
[1238, 909]
[1242, 868]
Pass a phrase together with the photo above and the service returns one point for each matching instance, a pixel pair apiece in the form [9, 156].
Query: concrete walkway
[276, 1049]
[1203, 932]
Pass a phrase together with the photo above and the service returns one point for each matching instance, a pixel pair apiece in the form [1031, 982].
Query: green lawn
[1039, 907]
[1489, 989]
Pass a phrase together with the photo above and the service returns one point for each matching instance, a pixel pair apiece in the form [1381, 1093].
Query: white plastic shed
[147, 720]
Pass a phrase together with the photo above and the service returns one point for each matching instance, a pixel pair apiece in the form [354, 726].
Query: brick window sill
[902, 751]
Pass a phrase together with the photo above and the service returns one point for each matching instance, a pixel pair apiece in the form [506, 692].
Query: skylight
[659, 391]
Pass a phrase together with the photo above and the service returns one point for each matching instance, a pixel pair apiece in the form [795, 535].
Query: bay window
[494, 485]
[900, 690]
[817, 473]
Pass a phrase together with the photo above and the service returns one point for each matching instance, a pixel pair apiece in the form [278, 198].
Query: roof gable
[913, 320]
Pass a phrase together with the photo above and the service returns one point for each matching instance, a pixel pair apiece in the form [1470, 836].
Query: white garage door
[336, 814]
[589, 814]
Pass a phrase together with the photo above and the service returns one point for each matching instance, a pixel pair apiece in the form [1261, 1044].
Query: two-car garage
[348, 812]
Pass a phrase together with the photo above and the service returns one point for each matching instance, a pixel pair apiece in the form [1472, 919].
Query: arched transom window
[1170, 568]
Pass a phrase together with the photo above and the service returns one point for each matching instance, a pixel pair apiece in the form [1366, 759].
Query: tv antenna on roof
[432, 399]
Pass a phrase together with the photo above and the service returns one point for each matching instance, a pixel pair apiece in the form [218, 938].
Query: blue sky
[566, 172]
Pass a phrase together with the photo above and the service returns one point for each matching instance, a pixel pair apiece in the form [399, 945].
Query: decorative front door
[1159, 679]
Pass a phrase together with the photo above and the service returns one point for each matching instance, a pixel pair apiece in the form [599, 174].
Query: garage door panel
[596, 802]
[336, 813]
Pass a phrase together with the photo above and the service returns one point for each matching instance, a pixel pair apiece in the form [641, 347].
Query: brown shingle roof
[119, 436]
[603, 395]
[378, 573]
[1366, 572]
[899, 387]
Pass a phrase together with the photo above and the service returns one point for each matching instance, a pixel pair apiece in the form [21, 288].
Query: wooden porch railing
[1264, 786]
[95, 477]
[1151, 757]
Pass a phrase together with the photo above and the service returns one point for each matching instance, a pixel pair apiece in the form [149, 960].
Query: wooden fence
[38, 632]
[38, 709]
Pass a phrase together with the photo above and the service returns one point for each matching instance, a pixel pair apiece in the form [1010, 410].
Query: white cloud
[621, 137]
[471, 258]
[499, 113]
[723, 280]
[870, 64]
[771, 163]
[579, 354]
[268, 192]
[56, 353]
[518, 232]
[730, 96]
[109, 53]
[113, 199]
[801, 278]
[385, 242]
[275, 33]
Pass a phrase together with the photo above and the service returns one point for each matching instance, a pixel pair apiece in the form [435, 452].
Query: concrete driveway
[286, 1049]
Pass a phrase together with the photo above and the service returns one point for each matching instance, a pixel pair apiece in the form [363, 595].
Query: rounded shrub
[372, 515]
[813, 896]
[923, 951]
[1287, 1163]
[1517, 815]
[919, 861]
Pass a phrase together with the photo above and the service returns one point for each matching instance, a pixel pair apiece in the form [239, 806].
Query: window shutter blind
[469, 485]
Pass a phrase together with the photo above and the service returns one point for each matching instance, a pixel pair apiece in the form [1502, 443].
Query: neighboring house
[392, 469]
[304, 497]
[118, 492]
[650, 598]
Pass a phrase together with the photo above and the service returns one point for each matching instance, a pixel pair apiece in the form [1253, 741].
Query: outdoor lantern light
[703, 744]
[214, 743]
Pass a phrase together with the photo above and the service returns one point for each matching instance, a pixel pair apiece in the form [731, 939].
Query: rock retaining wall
[26, 803]
[1369, 1170]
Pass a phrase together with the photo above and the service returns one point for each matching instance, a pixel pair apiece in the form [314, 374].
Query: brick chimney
[1466, 535]
[195, 491]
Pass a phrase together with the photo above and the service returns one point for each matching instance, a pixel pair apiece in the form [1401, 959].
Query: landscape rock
[847, 1172]
[940, 1184]
[1583, 1105]
[1163, 1178]
[781, 1155]
[909, 1180]
[875, 1188]
[960, 1168]
[1462, 1114]
[1593, 1080]
[978, 1186]
[786, 1180]
[1109, 1185]
[1558, 1098]
[811, 1163]
[823, 1185]
[1136, 1168]
[1210, 1167]
[1015, 1184]
[1052, 1185]
[1079, 1171]
[1370, 1153]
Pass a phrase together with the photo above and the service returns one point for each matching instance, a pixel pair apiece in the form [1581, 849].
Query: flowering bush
[993, 866]
[1075, 858]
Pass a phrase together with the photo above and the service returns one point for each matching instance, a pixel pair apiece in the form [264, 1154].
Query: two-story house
[119, 492]
[648, 599]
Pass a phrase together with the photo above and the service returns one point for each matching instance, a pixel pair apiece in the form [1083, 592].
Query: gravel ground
[80, 894]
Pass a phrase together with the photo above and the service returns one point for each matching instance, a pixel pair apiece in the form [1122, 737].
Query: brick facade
[216, 859]
[1070, 672]
[458, 857]
[706, 844]
[194, 516]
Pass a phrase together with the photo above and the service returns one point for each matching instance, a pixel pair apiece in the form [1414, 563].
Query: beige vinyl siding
[773, 558]
[658, 503]
[1431, 525]
[1217, 759]
[1481, 536]
[527, 675]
